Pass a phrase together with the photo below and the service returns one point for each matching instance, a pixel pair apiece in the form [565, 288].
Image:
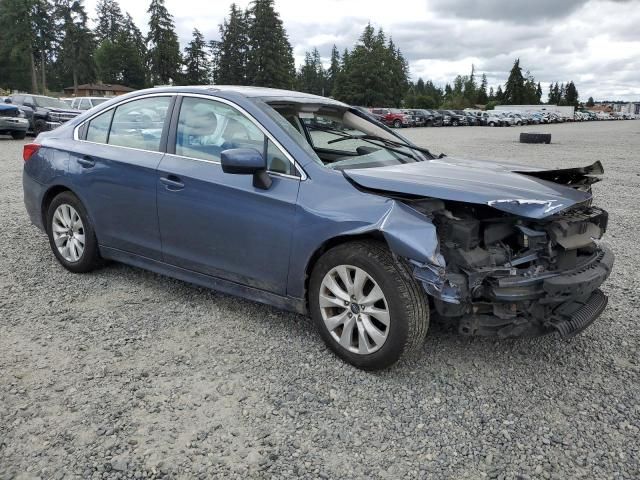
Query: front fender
[329, 207]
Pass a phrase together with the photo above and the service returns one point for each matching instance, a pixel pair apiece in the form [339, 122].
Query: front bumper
[513, 306]
[13, 124]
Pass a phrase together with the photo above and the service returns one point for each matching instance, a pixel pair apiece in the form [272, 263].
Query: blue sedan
[311, 205]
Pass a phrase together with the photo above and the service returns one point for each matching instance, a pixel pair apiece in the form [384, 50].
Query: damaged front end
[505, 275]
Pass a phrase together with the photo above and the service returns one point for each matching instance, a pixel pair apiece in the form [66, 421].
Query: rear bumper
[33, 193]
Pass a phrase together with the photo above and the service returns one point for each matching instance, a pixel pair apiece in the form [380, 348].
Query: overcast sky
[595, 43]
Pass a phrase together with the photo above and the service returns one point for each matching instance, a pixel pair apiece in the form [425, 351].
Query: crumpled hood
[513, 189]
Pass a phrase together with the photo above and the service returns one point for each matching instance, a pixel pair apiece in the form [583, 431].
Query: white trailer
[566, 112]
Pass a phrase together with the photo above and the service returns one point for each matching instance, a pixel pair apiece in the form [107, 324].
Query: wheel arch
[48, 197]
[333, 242]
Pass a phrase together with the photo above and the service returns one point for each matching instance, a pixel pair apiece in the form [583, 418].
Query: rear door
[114, 168]
[217, 223]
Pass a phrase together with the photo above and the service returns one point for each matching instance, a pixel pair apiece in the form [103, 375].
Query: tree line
[47, 45]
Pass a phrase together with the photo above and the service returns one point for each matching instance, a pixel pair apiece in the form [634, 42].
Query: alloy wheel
[68, 233]
[354, 309]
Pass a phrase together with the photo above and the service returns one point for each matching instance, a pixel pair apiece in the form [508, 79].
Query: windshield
[49, 102]
[98, 101]
[338, 138]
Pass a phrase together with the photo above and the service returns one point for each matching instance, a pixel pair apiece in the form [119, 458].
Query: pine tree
[334, 71]
[163, 46]
[270, 60]
[233, 49]
[77, 47]
[109, 20]
[482, 97]
[374, 73]
[27, 40]
[514, 89]
[539, 94]
[499, 95]
[590, 102]
[571, 94]
[196, 60]
[214, 53]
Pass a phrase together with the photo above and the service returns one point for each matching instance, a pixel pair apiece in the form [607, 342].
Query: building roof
[111, 87]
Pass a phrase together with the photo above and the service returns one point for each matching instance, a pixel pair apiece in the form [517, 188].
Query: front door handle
[172, 182]
[86, 161]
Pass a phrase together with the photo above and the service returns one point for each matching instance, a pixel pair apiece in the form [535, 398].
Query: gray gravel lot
[126, 374]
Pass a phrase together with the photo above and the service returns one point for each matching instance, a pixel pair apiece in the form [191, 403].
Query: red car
[392, 117]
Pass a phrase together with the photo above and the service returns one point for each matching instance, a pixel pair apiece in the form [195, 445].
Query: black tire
[492, 124]
[38, 127]
[397, 124]
[18, 135]
[535, 138]
[90, 258]
[455, 123]
[407, 303]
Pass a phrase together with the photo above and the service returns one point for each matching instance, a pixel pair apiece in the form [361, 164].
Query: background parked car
[85, 103]
[392, 117]
[13, 121]
[456, 118]
[43, 113]
[418, 118]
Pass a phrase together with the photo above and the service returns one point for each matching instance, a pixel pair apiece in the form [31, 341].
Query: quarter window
[138, 124]
[98, 130]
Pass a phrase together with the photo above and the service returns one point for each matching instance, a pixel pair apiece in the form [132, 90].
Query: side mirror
[246, 161]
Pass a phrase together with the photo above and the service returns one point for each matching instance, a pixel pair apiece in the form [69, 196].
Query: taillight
[29, 149]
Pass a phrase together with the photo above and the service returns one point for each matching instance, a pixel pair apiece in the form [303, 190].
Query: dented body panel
[483, 183]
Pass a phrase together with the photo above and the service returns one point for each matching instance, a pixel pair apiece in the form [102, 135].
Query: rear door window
[139, 124]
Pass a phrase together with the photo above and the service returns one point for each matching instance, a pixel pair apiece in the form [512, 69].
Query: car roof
[267, 94]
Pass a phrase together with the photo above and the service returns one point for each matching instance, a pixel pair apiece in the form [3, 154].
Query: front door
[216, 223]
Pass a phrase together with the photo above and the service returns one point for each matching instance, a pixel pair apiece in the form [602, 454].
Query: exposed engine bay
[510, 276]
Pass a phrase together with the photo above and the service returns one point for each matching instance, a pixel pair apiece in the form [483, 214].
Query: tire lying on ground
[535, 138]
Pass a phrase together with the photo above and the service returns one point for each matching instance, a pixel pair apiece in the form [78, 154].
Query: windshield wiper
[385, 141]
[367, 138]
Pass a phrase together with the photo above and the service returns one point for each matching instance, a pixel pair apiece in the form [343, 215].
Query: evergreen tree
[499, 95]
[539, 94]
[270, 60]
[482, 97]
[196, 61]
[374, 73]
[233, 49]
[109, 20]
[590, 102]
[312, 77]
[163, 46]
[334, 70]
[121, 54]
[514, 89]
[214, 53]
[77, 47]
[571, 94]
[27, 41]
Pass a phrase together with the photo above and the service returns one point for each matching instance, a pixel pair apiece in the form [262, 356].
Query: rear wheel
[367, 306]
[18, 135]
[397, 123]
[71, 234]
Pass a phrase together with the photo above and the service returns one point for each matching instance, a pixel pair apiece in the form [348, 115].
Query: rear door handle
[87, 161]
[172, 182]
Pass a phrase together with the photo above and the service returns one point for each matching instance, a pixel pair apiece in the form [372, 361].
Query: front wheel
[367, 306]
[18, 135]
[397, 123]
[71, 234]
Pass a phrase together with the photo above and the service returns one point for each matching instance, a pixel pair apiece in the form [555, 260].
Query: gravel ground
[126, 374]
